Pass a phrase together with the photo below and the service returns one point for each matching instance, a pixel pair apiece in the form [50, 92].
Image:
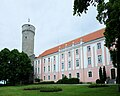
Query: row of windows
[50, 78]
[62, 65]
[54, 68]
[99, 59]
[70, 64]
[77, 63]
[98, 47]
[69, 76]
[77, 51]
[54, 58]
[37, 62]
[37, 70]
[69, 53]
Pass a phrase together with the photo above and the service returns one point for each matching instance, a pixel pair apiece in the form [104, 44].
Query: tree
[104, 74]
[25, 68]
[4, 64]
[109, 14]
[100, 75]
[21, 67]
[15, 67]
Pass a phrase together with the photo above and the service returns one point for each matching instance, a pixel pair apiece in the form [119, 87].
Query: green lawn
[68, 90]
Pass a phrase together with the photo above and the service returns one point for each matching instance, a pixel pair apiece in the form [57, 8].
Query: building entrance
[112, 73]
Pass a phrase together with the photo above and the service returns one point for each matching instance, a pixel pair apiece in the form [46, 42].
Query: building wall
[72, 61]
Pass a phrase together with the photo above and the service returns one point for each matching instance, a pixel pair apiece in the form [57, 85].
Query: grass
[67, 90]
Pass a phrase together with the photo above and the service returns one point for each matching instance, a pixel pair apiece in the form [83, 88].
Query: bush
[33, 88]
[37, 80]
[97, 85]
[45, 89]
[47, 82]
[54, 89]
[73, 81]
[98, 81]
[68, 81]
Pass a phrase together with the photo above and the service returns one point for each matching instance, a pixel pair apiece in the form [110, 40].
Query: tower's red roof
[86, 38]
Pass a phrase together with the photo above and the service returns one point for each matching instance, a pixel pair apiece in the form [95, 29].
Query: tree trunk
[118, 76]
[118, 63]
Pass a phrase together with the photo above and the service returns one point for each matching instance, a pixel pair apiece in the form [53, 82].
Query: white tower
[28, 33]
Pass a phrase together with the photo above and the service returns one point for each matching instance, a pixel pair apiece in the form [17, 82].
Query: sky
[53, 20]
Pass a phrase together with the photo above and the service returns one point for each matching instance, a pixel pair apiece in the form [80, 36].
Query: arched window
[90, 74]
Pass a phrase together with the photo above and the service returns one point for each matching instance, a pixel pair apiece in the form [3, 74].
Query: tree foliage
[109, 14]
[15, 66]
[100, 74]
[4, 64]
[81, 6]
[104, 74]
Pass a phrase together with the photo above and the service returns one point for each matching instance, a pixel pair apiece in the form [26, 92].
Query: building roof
[92, 36]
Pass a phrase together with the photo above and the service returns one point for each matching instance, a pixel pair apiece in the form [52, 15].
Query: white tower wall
[28, 32]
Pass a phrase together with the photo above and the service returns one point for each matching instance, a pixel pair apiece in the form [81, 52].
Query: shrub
[73, 81]
[98, 81]
[89, 82]
[47, 82]
[68, 81]
[45, 89]
[37, 80]
[97, 85]
[33, 88]
[54, 89]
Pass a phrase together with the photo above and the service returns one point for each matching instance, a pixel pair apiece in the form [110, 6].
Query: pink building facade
[80, 58]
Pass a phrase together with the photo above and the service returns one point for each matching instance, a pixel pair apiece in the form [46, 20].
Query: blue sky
[53, 19]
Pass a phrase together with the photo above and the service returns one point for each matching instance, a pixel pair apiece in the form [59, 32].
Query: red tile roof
[86, 38]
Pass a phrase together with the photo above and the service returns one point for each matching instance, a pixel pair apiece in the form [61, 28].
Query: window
[98, 45]
[25, 37]
[88, 48]
[69, 64]
[78, 75]
[48, 68]
[44, 60]
[38, 61]
[62, 56]
[89, 74]
[76, 51]
[62, 75]
[54, 77]
[62, 65]
[89, 60]
[69, 54]
[48, 59]
[54, 58]
[44, 69]
[38, 70]
[77, 63]
[48, 77]
[70, 75]
[99, 59]
[44, 77]
[54, 67]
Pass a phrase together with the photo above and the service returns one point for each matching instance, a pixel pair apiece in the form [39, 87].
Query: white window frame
[77, 63]
[89, 60]
[88, 48]
[99, 58]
